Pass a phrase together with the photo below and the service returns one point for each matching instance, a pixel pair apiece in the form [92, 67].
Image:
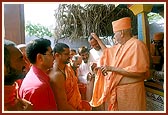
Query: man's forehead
[66, 49]
[14, 52]
[93, 40]
[49, 48]
[84, 53]
[12, 48]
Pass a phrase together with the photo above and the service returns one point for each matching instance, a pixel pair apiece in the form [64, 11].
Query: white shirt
[85, 68]
[95, 55]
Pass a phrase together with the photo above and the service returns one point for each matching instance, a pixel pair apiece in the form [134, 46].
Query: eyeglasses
[51, 53]
[157, 41]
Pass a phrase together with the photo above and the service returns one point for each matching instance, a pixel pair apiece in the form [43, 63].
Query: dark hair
[82, 49]
[37, 46]
[73, 50]
[91, 37]
[59, 47]
[7, 43]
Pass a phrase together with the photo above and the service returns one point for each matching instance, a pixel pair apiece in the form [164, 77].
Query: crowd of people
[39, 78]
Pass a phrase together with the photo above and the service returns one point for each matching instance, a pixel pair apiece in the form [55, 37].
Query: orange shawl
[72, 90]
[133, 56]
[10, 95]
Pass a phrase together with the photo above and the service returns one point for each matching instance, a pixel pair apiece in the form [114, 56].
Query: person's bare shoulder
[56, 76]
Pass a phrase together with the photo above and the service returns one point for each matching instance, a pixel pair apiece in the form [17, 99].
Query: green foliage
[37, 30]
[153, 17]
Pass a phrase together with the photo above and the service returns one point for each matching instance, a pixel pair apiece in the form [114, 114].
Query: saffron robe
[71, 87]
[133, 56]
[10, 96]
[72, 90]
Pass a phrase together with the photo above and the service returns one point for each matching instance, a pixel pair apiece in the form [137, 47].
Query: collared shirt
[85, 68]
[36, 89]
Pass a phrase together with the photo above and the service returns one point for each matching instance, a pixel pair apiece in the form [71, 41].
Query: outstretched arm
[122, 71]
[102, 45]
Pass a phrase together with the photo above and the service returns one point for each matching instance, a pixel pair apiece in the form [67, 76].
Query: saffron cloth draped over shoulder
[132, 57]
[72, 90]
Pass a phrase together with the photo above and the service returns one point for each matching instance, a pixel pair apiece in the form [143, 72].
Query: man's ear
[39, 57]
[122, 33]
[56, 54]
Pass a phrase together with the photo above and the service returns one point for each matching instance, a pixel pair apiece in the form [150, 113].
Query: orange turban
[158, 36]
[121, 24]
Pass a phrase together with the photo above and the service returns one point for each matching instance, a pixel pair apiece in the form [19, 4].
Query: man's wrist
[113, 69]
[93, 75]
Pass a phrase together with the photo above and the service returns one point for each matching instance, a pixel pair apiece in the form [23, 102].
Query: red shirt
[36, 89]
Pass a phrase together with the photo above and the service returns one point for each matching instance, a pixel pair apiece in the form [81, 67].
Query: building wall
[74, 44]
[14, 22]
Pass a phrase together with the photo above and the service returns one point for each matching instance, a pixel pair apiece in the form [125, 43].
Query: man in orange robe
[126, 65]
[157, 51]
[14, 67]
[64, 82]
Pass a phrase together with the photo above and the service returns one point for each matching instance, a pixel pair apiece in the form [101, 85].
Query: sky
[43, 13]
[40, 13]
